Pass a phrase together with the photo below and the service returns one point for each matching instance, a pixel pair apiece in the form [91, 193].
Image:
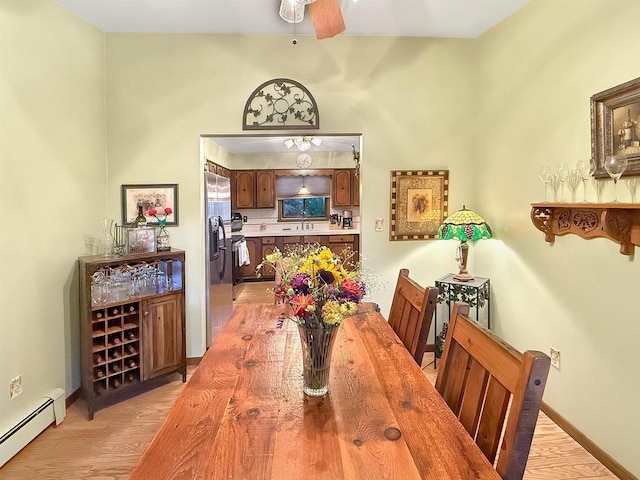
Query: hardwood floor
[109, 446]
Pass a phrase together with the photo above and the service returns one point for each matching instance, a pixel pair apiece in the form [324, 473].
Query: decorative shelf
[619, 222]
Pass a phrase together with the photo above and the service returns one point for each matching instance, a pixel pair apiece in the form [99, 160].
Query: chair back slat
[495, 391]
[471, 407]
[453, 390]
[411, 313]
[496, 401]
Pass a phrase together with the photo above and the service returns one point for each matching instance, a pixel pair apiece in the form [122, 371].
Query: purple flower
[300, 283]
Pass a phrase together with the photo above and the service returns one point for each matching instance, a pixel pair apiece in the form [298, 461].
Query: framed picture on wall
[157, 197]
[419, 203]
[615, 127]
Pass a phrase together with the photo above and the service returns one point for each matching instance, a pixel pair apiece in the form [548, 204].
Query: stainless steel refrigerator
[219, 290]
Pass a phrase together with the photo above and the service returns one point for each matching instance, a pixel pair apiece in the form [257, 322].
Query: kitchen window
[314, 208]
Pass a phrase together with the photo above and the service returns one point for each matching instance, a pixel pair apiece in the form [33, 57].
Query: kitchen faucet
[304, 215]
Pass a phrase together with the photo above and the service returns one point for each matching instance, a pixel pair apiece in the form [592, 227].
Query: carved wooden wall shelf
[619, 222]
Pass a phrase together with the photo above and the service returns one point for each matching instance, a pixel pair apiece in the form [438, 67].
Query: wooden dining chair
[411, 313]
[478, 375]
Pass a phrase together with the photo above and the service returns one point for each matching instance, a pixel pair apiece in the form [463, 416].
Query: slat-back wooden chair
[411, 313]
[478, 375]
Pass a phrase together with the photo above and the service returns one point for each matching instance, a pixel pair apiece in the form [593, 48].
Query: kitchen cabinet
[244, 189]
[253, 189]
[346, 188]
[346, 246]
[213, 167]
[355, 187]
[162, 335]
[268, 247]
[254, 246]
[265, 189]
[132, 324]
[260, 246]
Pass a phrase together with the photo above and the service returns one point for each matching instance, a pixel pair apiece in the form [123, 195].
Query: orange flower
[303, 305]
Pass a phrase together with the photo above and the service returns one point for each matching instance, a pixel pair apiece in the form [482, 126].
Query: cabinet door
[339, 245]
[355, 188]
[341, 188]
[254, 246]
[268, 246]
[162, 336]
[245, 187]
[265, 189]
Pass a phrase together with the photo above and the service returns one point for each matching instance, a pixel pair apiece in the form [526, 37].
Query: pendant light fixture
[303, 190]
[302, 143]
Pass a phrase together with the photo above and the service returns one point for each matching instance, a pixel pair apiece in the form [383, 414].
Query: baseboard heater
[52, 409]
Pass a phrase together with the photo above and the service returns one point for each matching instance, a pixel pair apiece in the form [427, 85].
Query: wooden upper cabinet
[341, 188]
[245, 188]
[213, 167]
[254, 189]
[355, 188]
[265, 189]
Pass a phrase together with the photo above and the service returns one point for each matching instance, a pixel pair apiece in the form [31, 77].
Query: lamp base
[463, 277]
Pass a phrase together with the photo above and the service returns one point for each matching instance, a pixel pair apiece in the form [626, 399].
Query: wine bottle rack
[116, 348]
[122, 330]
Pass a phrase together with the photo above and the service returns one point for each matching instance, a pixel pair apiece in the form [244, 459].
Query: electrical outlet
[554, 353]
[15, 387]
[379, 224]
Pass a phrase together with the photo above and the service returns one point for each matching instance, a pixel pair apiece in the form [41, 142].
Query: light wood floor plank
[109, 446]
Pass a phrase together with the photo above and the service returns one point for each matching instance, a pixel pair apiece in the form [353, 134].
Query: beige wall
[406, 96]
[492, 111]
[52, 192]
[537, 72]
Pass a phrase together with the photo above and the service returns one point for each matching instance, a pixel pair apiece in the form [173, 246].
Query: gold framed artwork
[615, 127]
[419, 203]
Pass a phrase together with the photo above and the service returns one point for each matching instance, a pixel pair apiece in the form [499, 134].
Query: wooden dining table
[243, 414]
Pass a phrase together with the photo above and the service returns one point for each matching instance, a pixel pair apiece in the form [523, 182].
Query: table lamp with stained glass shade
[464, 225]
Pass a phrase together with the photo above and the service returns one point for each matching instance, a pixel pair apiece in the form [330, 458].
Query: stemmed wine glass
[545, 174]
[632, 185]
[615, 167]
[573, 179]
[585, 168]
[598, 186]
[562, 173]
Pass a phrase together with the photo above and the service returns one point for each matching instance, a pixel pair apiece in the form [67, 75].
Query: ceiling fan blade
[327, 18]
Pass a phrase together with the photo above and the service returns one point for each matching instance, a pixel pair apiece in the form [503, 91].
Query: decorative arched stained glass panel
[280, 103]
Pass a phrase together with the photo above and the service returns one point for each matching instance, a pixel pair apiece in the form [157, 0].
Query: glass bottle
[141, 220]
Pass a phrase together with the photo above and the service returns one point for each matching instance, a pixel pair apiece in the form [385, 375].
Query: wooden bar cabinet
[132, 324]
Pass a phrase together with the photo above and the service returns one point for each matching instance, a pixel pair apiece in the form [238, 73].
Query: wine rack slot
[97, 329]
[98, 343]
[121, 347]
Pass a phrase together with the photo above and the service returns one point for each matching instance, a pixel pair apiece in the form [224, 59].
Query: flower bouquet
[322, 292]
[161, 221]
[317, 285]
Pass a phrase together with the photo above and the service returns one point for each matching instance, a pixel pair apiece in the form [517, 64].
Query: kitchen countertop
[273, 231]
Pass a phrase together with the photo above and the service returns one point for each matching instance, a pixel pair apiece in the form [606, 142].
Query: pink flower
[153, 211]
[168, 211]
